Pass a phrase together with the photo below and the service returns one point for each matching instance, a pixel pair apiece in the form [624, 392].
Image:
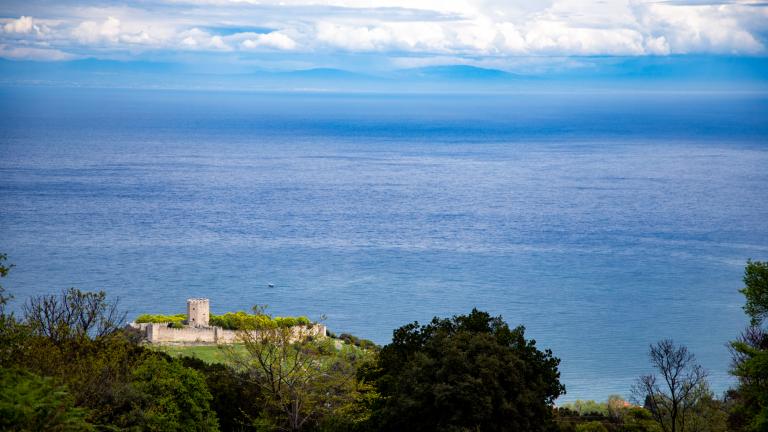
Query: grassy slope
[206, 353]
[214, 354]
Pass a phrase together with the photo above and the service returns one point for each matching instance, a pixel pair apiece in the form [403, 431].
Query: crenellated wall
[161, 333]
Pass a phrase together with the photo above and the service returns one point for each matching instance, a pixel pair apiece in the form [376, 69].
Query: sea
[602, 222]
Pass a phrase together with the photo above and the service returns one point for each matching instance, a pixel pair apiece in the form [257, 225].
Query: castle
[197, 331]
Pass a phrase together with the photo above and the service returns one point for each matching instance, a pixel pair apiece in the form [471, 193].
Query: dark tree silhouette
[674, 389]
[73, 314]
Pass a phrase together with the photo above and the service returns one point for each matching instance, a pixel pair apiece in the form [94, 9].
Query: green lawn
[206, 353]
[215, 354]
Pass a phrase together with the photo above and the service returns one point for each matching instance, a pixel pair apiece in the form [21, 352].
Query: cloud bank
[424, 31]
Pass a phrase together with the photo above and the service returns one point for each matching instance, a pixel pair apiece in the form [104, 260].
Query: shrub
[31, 402]
[588, 407]
[358, 342]
[176, 321]
[593, 426]
[244, 321]
[231, 320]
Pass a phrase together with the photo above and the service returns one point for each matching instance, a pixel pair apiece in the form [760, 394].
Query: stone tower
[198, 312]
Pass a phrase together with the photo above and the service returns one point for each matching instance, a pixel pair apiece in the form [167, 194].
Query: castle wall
[162, 334]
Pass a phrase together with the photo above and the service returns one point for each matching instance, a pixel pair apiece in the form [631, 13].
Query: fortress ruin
[197, 330]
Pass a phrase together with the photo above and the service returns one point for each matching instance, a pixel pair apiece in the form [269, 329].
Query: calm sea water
[601, 222]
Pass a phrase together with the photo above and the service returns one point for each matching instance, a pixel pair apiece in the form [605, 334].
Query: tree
[671, 398]
[175, 398]
[4, 269]
[12, 333]
[616, 406]
[301, 380]
[756, 291]
[29, 402]
[749, 355]
[73, 314]
[470, 372]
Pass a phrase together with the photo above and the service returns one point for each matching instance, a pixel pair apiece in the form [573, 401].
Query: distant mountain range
[672, 72]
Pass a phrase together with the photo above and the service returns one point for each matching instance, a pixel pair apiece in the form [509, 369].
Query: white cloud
[558, 38]
[702, 28]
[471, 29]
[141, 38]
[273, 40]
[198, 39]
[25, 25]
[21, 25]
[91, 32]
[657, 45]
[353, 38]
[32, 53]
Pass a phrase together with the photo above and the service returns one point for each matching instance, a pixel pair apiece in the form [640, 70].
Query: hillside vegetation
[68, 364]
[239, 320]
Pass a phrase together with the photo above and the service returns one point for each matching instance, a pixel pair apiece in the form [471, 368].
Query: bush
[588, 408]
[356, 341]
[244, 321]
[30, 402]
[176, 321]
[593, 426]
[231, 320]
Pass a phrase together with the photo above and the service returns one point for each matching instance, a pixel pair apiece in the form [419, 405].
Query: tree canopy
[750, 355]
[756, 291]
[470, 372]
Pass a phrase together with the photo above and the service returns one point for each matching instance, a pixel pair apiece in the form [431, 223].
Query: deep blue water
[602, 222]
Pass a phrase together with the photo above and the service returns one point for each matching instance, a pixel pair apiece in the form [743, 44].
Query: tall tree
[756, 291]
[470, 372]
[750, 355]
[672, 392]
[301, 381]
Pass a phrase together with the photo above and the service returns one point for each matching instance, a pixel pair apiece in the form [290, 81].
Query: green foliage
[236, 400]
[358, 342]
[241, 320]
[175, 321]
[593, 426]
[207, 353]
[756, 291]
[29, 402]
[471, 372]
[621, 417]
[588, 407]
[709, 414]
[751, 411]
[303, 383]
[4, 269]
[750, 355]
[175, 398]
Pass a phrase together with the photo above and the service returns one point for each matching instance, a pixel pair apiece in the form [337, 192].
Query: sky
[528, 37]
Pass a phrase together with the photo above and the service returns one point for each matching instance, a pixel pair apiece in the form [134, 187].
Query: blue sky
[527, 37]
